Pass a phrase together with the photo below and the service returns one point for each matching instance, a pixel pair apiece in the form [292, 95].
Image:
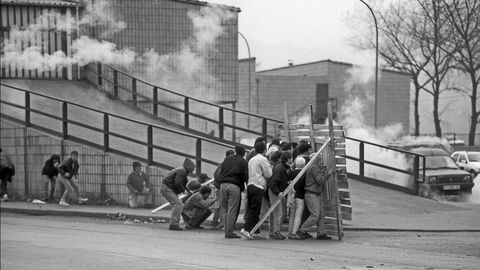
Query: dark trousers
[197, 218]
[254, 206]
[4, 188]
[6, 176]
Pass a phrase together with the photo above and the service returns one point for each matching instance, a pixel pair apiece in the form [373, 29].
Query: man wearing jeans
[259, 170]
[173, 184]
[139, 191]
[68, 177]
[233, 176]
[315, 180]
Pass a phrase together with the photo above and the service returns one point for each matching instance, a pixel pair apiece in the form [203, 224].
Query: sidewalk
[374, 208]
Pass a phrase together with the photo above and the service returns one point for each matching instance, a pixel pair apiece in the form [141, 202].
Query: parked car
[442, 175]
[468, 161]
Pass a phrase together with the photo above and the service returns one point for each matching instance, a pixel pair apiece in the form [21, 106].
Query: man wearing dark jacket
[50, 170]
[233, 177]
[217, 219]
[317, 176]
[173, 184]
[68, 175]
[7, 171]
[276, 185]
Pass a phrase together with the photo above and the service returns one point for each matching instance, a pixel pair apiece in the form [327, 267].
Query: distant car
[468, 161]
[442, 175]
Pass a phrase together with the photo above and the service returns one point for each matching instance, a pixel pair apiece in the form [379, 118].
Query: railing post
[155, 101]
[115, 83]
[416, 174]
[234, 122]
[65, 120]
[150, 145]
[106, 130]
[99, 73]
[264, 127]
[198, 154]
[361, 157]
[27, 109]
[220, 123]
[186, 112]
[134, 92]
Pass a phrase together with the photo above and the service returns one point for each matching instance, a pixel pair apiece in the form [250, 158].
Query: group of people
[66, 172]
[62, 176]
[265, 174]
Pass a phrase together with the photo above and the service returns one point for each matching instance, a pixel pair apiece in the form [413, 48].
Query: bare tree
[400, 28]
[432, 40]
[464, 18]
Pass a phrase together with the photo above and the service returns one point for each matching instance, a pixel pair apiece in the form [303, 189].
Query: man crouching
[139, 191]
[196, 211]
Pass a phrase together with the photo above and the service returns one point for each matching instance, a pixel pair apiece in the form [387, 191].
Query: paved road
[32, 242]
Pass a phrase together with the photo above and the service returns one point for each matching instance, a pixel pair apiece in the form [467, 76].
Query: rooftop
[327, 61]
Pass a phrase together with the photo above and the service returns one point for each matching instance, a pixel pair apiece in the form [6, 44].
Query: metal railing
[108, 132]
[111, 80]
[362, 161]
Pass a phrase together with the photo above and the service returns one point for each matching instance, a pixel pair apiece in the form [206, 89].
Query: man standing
[50, 170]
[139, 191]
[233, 176]
[277, 185]
[258, 171]
[315, 181]
[68, 177]
[173, 184]
[217, 219]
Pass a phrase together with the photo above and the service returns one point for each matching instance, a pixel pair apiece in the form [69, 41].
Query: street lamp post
[249, 78]
[376, 64]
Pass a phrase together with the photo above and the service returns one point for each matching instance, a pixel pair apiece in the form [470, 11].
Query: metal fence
[151, 144]
[207, 118]
[101, 175]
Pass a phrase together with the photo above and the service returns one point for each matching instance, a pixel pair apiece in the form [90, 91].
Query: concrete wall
[101, 175]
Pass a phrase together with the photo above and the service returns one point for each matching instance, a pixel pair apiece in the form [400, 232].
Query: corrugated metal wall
[48, 41]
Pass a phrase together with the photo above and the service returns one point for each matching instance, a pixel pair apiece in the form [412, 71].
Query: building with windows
[317, 83]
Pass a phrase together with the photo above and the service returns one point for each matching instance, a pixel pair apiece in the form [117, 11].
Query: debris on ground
[127, 220]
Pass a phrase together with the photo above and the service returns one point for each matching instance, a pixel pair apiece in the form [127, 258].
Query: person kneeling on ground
[139, 191]
[196, 211]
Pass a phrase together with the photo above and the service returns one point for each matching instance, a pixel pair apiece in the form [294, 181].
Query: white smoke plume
[23, 47]
[187, 69]
[353, 118]
[87, 50]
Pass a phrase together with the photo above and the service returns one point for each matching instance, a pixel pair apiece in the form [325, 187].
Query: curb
[66, 213]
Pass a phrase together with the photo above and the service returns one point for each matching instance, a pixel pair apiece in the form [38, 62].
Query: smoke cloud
[23, 47]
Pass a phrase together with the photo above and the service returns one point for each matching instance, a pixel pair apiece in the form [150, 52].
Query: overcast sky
[303, 31]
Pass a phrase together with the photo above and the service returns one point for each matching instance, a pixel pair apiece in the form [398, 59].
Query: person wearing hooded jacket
[50, 170]
[276, 186]
[173, 184]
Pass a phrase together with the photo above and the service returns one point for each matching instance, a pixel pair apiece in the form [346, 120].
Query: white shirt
[259, 169]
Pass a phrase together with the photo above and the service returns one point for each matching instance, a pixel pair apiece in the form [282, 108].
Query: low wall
[101, 175]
